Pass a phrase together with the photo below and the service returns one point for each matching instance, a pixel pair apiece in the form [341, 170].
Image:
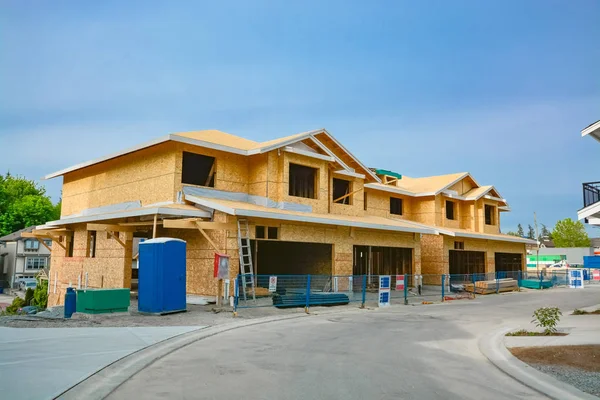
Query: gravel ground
[586, 381]
[195, 315]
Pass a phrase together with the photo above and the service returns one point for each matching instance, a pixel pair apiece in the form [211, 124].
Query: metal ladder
[246, 267]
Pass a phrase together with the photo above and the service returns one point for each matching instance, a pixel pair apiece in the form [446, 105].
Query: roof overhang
[483, 236]
[140, 212]
[307, 217]
[591, 211]
[593, 130]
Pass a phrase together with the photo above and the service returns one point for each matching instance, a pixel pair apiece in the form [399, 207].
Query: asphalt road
[402, 352]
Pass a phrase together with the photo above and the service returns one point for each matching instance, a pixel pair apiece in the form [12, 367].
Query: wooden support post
[44, 244]
[154, 226]
[114, 236]
[210, 173]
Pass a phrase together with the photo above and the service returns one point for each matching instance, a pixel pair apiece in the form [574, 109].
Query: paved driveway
[40, 363]
[426, 352]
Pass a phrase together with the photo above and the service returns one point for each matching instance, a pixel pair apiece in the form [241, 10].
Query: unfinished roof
[218, 137]
[252, 210]
[217, 140]
[430, 185]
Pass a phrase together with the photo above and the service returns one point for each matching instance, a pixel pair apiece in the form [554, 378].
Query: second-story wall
[146, 175]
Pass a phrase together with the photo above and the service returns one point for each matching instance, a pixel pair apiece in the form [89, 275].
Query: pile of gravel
[57, 312]
[586, 381]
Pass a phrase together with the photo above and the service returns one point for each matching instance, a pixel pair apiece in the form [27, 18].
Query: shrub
[28, 296]
[579, 312]
[547, 318]
[40, 295]
[14, 307]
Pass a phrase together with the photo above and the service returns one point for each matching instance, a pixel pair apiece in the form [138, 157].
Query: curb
[105, 381]
[492, 347]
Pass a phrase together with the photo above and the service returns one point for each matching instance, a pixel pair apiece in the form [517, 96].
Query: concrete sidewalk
[582, 329]
[42, 363]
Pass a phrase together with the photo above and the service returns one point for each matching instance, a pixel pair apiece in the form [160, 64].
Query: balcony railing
[591, 193]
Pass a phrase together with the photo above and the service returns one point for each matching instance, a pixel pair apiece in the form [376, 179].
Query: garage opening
[383, 261]
[275, 257]
[508, 264]
[467, 262]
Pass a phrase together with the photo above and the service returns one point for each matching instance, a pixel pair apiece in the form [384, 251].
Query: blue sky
[500, 89]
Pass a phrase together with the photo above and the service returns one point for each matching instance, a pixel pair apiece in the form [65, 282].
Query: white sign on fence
[385, 283]
[576, 278]
[272, 284]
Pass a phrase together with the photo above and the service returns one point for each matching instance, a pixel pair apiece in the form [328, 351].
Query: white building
[591, 190]
[22, 257]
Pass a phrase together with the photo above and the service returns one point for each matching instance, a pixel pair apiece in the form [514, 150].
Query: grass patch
[524, 332]
[583, 312]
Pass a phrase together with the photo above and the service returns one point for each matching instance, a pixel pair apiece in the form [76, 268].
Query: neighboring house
[311, 205]
[23, 257]
[590, 212]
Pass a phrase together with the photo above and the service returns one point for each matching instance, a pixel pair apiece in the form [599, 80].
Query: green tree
[545, 233]
[520, 231]
[23, 203]
[530, 232]
[40, 294]
[569, 233]
[512, 233]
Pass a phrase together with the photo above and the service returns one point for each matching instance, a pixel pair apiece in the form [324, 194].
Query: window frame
[401, 202]
[459, 245]
[347, 201]
[41, 262]
[315, 188]
[210, 180]
[91, 244]
[452, 208]
[31, 245]
[492, 214]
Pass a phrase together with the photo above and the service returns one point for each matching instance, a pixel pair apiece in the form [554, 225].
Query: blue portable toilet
[161, 276]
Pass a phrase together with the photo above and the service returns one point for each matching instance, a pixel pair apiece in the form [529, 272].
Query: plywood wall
[435, 252]
[378, 204]
[111, 268]
[146, 175]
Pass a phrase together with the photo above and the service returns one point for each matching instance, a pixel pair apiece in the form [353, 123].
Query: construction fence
[283, 291]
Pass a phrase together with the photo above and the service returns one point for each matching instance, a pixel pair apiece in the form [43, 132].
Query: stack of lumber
[487, 287]
[315, 299]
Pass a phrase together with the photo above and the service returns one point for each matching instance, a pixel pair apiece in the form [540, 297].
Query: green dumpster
[99, 301]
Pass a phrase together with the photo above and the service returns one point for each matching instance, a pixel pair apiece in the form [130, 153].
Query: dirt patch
[583, 312]
[523, 332]
[584, 357]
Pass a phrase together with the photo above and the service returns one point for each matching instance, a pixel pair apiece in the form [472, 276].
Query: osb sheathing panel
[111, 268]
[378, 203]
[231, 172]
[423, 210]
[467, 215]
[146, 175]
[463, 186]
[257, 175]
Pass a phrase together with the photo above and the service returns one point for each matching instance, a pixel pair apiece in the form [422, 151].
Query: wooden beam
[43, 236]
[154, 226]
[140, 223]
[208, 238]
[44, 244]
[47, 231]
[210, 173]
[110, 227]
[193, 224]
[346, 195]
[114, 236]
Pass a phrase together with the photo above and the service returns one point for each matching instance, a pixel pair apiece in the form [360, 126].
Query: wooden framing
[140, 223]
[197, 224]
[347, 195]
[40, 235]
[110, 228]
[114, 236]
